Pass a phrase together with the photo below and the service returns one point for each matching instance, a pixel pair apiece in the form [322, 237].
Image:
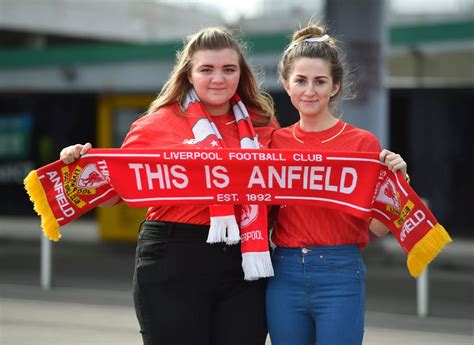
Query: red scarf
[352, 182]
[256, 261]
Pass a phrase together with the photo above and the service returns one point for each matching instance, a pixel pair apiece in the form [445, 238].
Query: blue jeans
[317, 296]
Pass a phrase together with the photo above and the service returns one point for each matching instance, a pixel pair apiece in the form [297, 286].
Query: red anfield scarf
[352, 182]
[256, 260]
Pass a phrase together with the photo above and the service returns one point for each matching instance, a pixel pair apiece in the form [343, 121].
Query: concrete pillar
[360, 25]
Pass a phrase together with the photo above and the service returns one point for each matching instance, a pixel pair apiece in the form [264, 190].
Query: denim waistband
[307, 250]
[173, 230]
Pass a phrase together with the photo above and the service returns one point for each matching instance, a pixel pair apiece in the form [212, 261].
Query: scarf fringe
[223, 229]
[427, 249]
[257, 265]
[37, 195]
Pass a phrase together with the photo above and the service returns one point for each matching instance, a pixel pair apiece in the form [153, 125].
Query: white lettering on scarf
[251, 235]
[411, 223]
[63, 203]
[165, 175]
[196, 155]
[104, 170]
[216, 176]
[253, 156]
[311, 177]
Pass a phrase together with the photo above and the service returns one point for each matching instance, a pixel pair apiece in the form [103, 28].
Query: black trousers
[189, 292]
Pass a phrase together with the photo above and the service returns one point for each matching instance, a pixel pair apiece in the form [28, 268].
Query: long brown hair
[213, 38]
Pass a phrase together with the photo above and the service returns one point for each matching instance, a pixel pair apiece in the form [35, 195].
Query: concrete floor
[91, 301]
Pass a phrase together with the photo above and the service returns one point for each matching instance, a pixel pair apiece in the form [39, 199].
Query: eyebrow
[212, 66]
[317, 77]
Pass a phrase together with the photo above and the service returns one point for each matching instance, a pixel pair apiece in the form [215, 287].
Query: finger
[70, 155]
[67, 160]
[62, 154]
[86, 148]
[383, 154]
[77, 151]
[66, 155]
[388, 163]
[391, 158]
[392, 161]
[400, 166]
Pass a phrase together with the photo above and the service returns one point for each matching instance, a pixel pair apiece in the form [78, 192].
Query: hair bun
[308, 32]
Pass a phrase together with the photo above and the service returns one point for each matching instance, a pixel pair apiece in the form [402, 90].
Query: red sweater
[299, 226]
[169, 128]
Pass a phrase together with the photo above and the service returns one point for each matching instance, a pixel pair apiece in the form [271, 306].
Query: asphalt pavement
[90, 301]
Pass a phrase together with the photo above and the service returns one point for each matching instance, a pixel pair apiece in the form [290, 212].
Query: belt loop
[140, 227]
[170, 229]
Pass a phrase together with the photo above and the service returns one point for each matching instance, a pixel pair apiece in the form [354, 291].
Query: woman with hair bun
[317, 295]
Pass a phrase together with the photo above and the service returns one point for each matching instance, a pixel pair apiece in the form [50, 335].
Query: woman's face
[310, 86]
[215, 76]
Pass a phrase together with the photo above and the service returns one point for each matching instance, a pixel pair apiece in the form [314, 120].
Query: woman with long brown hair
[187, 291]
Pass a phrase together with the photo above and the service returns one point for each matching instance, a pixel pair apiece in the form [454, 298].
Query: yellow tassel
[426, 249]
[40, 203]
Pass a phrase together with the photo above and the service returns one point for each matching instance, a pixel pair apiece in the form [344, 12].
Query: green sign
[15, 133]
